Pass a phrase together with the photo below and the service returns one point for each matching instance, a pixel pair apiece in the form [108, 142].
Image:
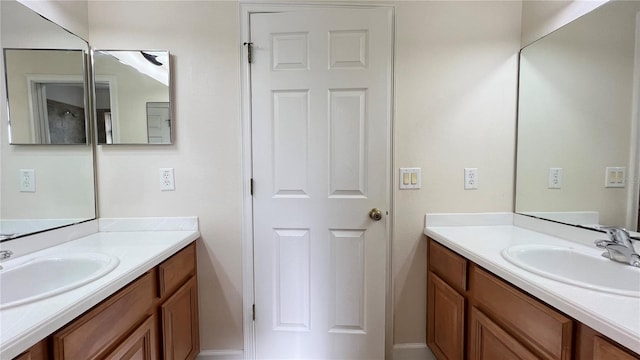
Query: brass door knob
[375, 214]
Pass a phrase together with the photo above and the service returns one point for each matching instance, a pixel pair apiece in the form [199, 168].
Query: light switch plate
[410, 178]
[615, 177]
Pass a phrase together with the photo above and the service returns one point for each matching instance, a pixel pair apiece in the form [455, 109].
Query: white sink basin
[46, 276]
[576, 267]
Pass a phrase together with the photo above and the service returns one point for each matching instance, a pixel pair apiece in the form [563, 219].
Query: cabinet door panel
[140, 345]
[180, 332]
[93, 333]
[532, 322]
[487, 341]
[606, 350]
[445, 319]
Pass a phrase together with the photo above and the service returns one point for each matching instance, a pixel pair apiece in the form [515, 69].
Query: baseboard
[221, 355]
[416, 351]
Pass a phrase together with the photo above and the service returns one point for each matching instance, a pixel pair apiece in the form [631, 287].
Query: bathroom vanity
[480, 306]
[145, 308]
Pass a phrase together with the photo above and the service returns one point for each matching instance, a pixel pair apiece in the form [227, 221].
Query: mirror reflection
[578, 121]
[132, 97]
[46, 96]
[42, 186]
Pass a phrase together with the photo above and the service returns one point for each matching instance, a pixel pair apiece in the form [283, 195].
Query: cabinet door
[180, 335]
[36, 352]
[445, 319]
[606, 350]
[140, 345]
[488, 341]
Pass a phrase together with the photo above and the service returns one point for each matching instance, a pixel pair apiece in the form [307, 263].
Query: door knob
[375, 214]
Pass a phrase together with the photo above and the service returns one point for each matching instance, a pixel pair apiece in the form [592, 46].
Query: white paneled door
[321, 94]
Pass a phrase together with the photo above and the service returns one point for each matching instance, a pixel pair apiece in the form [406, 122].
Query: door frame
[248, 297]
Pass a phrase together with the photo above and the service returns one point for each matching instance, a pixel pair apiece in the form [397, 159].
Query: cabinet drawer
[534, 323]
[176, 270]
[87, 337]
[603, 349]
[450, 266]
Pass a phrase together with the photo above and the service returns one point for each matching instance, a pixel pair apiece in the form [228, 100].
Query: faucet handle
[617, 234]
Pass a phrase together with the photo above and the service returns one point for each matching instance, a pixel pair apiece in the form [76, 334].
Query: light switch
[405, 178]
[410, 178]
[615, 177]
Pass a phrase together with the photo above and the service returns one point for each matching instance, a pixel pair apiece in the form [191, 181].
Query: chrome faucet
[619, 246]
[5, 254]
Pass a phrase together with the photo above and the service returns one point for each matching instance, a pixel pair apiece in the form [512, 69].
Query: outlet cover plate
[167, 180]
[27, 180]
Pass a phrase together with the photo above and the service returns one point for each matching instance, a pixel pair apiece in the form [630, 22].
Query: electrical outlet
[555, 178]
[470, 178]
[167, 182]
[27, 180]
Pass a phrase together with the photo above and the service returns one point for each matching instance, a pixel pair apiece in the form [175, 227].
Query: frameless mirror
[46, 96]
[133, 103]
[42, 186]
[579, 97]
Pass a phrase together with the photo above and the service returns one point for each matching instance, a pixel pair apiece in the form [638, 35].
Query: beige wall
[456, 66]
[455, 108]
[203, 39]
[64, 174]
[540, 17]
[455, 76]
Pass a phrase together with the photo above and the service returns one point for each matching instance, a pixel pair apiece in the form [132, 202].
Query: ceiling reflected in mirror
[133, 102]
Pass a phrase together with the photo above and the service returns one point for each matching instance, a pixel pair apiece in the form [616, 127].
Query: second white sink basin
[43, 277]
[576, 267]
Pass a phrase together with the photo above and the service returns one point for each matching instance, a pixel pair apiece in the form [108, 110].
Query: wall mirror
[42, 186]
[579, 97]
[133, 103]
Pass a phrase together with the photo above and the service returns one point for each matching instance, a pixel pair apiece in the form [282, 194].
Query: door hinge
[254, 312]
[251, 186]
[249, 46]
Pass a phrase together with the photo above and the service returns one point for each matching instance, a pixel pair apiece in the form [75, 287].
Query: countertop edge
[25, 340]
[600, 324]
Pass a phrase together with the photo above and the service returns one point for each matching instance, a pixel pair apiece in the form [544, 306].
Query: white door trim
[246, 9]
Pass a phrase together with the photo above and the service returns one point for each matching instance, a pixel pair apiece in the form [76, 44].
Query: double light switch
[410, 178]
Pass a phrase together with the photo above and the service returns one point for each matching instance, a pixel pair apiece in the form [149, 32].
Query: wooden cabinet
[180, 323]
[472, 314]
[593, 346]
[156, 314]
[446, 304]
[488, 341]
[140, 345]
[38, 351]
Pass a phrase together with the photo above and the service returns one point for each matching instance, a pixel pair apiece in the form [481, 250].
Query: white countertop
[615, 316]
[138, 251]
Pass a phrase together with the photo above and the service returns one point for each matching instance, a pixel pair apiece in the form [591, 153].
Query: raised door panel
[90, 335]
[606, 350]
[535, 324]
[140, 345]
[38, 351]
[180, 335]
[445, 319]
[488, 341]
